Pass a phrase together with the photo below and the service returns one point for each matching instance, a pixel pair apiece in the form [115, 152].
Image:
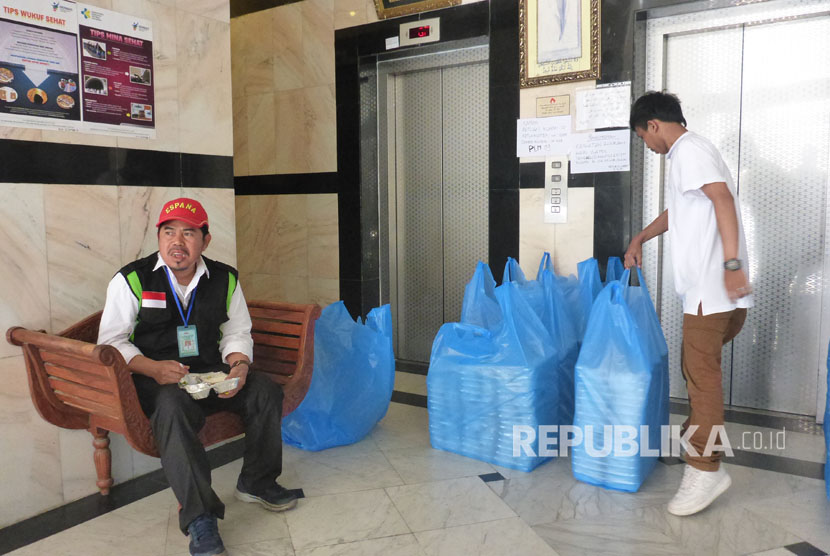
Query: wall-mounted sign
[72, 67]
[553, 106]
[116, 72]
[543, 136]
[39, 65]
[601, 151]
[608, 105]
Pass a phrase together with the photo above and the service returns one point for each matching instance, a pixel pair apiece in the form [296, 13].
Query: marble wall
[290, 247]
[285, 123]
[61, 244]
[283, 90]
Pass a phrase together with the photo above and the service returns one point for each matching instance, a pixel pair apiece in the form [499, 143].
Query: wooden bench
[76, 384]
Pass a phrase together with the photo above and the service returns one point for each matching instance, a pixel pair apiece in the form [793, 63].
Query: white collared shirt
[696, 245]
[121, 312]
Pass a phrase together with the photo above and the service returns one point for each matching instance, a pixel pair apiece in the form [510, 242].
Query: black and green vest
[155, 329]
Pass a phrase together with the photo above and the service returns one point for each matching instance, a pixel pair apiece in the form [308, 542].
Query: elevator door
[438, 197]
[761, 93]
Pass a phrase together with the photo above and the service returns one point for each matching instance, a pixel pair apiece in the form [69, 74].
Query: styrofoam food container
[199, 385]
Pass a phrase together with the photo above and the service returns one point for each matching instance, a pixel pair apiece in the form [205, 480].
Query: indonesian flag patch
[154, 300]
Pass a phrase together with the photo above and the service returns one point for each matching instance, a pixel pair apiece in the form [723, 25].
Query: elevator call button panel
[556, 189]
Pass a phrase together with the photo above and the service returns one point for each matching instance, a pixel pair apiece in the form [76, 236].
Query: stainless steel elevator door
[438, 224]
[761, 93]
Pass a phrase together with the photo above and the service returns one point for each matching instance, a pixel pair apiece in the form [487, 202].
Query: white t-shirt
[696, 246]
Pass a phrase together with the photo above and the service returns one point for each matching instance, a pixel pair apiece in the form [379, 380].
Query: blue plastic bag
[354, 373]
[558, 318]
[621, 382]
[614, 269]
[483, 382]
[580, 293]
[480, 307]
[531, 290]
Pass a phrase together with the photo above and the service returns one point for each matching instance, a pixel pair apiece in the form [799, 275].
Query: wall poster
[73, 67]
[39, 65]
[116, 72]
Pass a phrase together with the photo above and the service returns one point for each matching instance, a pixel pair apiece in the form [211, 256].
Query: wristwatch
[732, 264]
[240, 362]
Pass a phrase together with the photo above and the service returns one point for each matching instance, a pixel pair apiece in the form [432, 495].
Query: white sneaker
[698, 489]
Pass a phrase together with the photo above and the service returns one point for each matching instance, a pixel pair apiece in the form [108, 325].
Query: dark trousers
[703, 341]
[177, 418]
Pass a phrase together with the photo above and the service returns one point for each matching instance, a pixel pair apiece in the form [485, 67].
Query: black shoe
[274, 498]
[204, 537]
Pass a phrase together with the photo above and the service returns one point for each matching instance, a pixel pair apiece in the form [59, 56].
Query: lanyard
[176, 297]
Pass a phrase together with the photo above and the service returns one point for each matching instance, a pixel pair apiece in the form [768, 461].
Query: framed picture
[396, 8]
[558, 41]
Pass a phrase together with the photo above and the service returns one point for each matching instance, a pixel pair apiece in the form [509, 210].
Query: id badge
[188, 342]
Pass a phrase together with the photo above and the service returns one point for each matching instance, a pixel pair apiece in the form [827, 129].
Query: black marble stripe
[58, 163]
[408, 398]
[805, 549]
[413, 367]
[779, 464]
[244, 7]
[287, 184]
[793, 423]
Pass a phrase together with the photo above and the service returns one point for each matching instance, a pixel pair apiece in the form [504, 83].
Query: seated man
[175, 312]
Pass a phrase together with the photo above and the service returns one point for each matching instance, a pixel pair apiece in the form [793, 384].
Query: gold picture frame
[396, 8]
[570, 41]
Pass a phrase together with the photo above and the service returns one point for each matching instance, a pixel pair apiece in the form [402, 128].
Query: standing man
[175, 312]
[709, 255]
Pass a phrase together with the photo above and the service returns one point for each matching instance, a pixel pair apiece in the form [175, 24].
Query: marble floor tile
[244, 523]
[549, 467]
[753, 485]
[325, 474]
[409, 382]
[774, 552]
[805, 515]
[721, 530]
[139, 529]
[341, 518]
[493, 538]
[422, 464]
[404, 426]
[400, 545]
[558, 496]
[608, 535]
[448, 503]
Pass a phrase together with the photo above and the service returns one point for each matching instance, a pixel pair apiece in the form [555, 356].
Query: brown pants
[703, 341]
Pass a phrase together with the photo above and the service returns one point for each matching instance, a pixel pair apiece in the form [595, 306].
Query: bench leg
[103, 459]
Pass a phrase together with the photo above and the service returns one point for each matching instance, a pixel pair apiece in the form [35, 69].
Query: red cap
[188, 210]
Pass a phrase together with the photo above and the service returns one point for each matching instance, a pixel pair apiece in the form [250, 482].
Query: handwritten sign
[605, 106]
[543, 136]
[601, 151]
